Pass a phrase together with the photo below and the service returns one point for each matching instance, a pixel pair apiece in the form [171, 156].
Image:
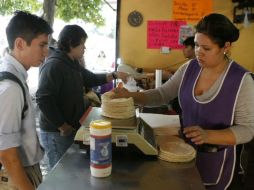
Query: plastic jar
[100, 148]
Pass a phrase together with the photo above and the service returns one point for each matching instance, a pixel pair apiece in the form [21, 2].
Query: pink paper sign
[163, 34]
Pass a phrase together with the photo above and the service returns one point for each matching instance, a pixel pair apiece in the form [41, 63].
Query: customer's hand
[123, 76]
[196, 134]
[66, 130]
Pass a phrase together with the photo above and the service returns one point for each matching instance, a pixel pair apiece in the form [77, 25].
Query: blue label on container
[100, 151]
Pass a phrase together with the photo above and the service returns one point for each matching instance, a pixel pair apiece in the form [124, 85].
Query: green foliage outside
[87, 10]
[7, 7]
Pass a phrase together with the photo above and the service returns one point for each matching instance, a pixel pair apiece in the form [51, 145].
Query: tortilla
[176, 151]
[120, 108]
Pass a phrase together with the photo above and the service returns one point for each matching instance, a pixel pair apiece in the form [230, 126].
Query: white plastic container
[100, 148]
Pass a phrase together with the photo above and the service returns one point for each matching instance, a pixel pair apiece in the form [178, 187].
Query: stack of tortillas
[176, 151]
[119, 108]
[166, 131]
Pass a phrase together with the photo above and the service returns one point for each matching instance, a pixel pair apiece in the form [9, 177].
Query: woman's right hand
[120, 92]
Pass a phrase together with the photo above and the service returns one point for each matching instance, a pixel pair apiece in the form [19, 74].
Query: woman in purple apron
[215, 162]
[206, 123]
[217, 99]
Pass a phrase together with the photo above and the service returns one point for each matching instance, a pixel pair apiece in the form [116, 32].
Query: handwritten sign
[163, 34]
[191, 10]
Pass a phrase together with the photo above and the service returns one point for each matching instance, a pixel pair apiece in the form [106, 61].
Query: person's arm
[91, 79]
[117, 75]
[168, 91]
[12, 102]
[138, 97]
[158, 96]
[243, 127]
[242, 130]
[200, 136]
[166, 74]
[11, 162]
[50, 82]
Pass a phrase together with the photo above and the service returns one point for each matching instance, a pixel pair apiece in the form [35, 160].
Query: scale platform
[126, 133]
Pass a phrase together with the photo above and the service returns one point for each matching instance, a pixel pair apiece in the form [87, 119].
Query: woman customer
[217, 99]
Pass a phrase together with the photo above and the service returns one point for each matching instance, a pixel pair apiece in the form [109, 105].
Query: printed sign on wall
[163, 34]
[185, 31]
[191, 10]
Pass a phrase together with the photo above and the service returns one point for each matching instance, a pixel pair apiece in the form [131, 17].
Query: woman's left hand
[196, 134]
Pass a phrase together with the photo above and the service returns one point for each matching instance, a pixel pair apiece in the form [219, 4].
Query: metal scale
[126, 133]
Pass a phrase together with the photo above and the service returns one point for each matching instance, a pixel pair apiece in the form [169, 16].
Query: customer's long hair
[70, 36]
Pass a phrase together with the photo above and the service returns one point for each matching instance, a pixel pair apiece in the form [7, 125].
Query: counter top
[130, 171]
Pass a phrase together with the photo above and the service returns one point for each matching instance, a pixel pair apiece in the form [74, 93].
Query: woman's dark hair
[70, 36]
[219, 28]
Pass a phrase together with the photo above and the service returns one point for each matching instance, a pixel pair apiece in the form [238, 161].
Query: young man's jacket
[60, 92]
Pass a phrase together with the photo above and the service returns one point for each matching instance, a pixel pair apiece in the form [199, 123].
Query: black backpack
[7, 75]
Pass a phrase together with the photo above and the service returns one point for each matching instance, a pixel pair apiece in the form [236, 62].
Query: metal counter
[130, 171]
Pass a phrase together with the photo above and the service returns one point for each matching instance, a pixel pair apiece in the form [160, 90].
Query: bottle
[100, 148]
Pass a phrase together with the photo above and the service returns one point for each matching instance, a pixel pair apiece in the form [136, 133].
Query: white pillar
[158, 78]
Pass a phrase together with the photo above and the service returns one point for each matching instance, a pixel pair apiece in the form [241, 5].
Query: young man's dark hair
[189, 41]
[26, 26]
[66, 41]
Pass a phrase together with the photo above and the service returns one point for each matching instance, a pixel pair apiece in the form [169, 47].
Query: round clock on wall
[135, 18]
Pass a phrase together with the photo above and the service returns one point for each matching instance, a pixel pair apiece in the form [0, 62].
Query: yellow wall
[133, 40]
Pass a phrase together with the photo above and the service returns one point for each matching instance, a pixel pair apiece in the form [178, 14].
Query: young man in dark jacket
[60, 93]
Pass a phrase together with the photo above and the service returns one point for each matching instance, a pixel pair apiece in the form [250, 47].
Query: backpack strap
[7, 75]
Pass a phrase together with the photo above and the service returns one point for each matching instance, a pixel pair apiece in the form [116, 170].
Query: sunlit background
[100, 45]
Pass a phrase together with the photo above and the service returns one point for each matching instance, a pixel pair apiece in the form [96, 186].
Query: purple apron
[216, 168]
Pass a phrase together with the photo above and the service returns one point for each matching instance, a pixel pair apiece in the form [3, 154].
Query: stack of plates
[176, 151]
